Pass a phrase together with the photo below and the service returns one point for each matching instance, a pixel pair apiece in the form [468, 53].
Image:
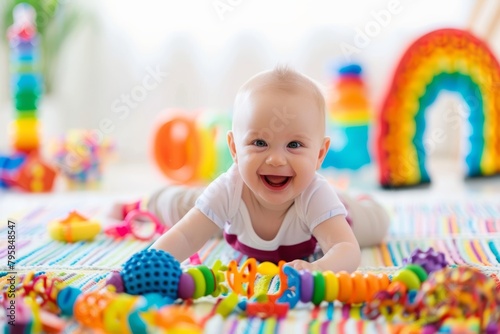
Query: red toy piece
[267, 309]
[34, 175]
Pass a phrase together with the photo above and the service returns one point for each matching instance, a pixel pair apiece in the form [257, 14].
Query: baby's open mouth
[276, 181]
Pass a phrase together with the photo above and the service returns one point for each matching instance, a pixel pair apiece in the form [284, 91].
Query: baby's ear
[323, 151]
[232, 146]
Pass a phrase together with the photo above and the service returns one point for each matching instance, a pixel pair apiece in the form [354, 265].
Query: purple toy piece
[430, 260]
[186, 286]
[115, 279]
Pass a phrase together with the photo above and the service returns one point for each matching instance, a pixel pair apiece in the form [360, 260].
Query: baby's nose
[276, 158]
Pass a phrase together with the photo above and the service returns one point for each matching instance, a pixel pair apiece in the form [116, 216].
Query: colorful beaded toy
[81, 157]
[426, 293]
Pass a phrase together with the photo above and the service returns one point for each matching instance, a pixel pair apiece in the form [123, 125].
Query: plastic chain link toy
[153, 290]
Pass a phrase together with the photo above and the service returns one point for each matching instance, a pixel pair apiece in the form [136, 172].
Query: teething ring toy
[130, 226]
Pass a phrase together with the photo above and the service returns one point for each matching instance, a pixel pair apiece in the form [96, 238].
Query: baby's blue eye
[294, 144]
[259, 143]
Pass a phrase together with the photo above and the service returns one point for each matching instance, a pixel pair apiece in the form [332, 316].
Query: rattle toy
[129, 226]
[74, 227]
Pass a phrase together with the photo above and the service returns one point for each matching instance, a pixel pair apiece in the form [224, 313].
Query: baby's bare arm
[340, 247]
[187, 236]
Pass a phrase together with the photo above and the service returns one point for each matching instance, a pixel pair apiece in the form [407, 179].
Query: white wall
[206, 54]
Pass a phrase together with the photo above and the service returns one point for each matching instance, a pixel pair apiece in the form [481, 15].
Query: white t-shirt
[222, 203]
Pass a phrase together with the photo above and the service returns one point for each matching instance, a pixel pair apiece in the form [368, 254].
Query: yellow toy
[74, 227]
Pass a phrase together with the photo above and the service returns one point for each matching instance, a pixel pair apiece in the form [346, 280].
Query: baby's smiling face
[278, 142]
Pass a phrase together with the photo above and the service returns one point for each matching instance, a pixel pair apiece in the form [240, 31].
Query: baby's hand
[303, 265]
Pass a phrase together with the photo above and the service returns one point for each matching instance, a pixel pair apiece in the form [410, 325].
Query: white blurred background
[202, 51]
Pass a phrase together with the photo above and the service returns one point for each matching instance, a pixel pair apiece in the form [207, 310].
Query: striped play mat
[466, 230]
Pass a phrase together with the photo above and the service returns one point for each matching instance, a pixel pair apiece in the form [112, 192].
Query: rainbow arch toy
[446, 59]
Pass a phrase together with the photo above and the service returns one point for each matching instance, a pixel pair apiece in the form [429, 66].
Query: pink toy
[127, 226]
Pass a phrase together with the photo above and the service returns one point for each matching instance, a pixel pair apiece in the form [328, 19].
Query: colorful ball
[152, 270]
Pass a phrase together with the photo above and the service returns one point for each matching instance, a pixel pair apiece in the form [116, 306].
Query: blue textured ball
[152, 271]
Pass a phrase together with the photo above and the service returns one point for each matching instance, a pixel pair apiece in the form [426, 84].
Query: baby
[272, 204]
